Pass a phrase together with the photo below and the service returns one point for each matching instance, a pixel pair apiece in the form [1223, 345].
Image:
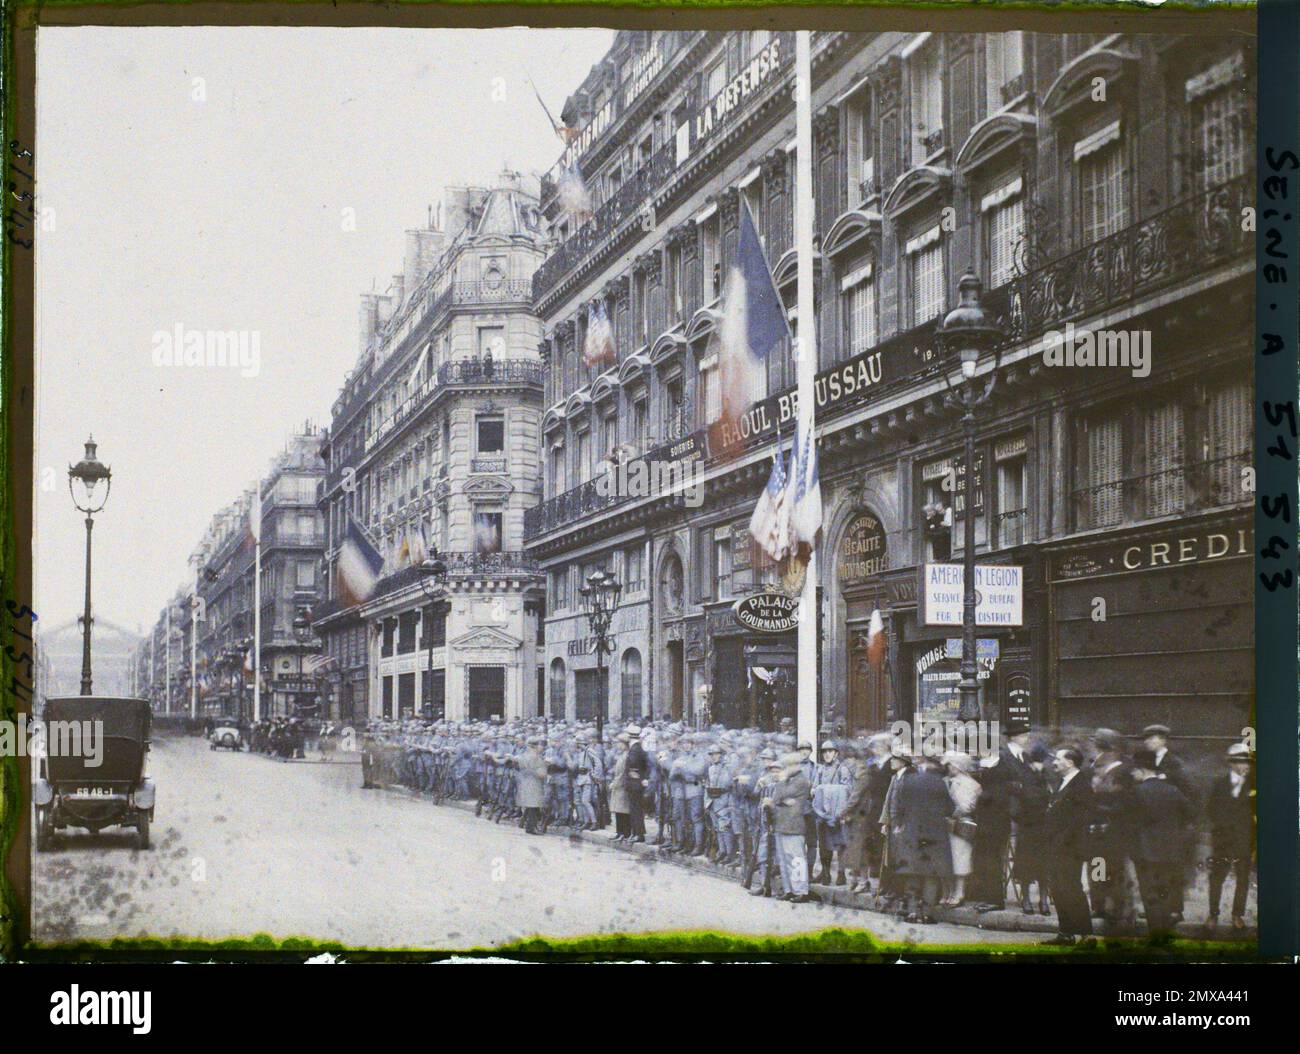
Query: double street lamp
[969, 330]
[433, 583]
[84, 479]
[599, 601]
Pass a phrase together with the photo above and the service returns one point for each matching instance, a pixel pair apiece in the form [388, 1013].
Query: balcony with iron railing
[463, 564]
[462, 372]
[609, 221]
[1187, 488]
[1184, 241]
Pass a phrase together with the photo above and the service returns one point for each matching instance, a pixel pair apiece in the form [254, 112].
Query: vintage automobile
[71, 790]
[226, 734]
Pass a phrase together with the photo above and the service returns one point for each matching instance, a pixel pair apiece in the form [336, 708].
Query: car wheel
[142, 830]
[44, 829]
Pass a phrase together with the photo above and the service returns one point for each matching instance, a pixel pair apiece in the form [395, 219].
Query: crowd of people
[1090, 826]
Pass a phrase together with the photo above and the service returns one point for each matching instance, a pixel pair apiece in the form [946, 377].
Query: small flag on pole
[598, 348]
[875, 640]
[770, 524]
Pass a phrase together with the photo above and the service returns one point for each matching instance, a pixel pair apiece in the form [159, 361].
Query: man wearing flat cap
[636, 771]
[1230, 808]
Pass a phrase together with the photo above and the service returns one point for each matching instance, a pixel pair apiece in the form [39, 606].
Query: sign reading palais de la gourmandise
[838, 388]
[767, 612]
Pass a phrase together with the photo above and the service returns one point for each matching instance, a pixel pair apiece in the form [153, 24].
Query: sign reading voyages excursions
[767, 612]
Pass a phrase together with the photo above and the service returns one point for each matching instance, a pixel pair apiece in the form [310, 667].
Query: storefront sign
[644, 70]
[587, 645]
[862, 552]
[953, 472]
[757, 72]
[938, 674]
[293, 684]
[999, 594]
[1164, 550]
[837, 389]
[767, 612]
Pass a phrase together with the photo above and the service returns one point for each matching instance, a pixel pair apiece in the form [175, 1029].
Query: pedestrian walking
[1069, 812]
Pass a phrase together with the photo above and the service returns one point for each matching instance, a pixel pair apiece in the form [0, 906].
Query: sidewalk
[1011, 919]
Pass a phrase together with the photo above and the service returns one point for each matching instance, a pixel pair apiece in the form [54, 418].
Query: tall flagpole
[255, 518]
[167, 652]
[806, 364]
[194, 643]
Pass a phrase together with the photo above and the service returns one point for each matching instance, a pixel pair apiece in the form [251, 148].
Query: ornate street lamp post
[433, 583]
[302, 634]
[969, 330]
[600, 600]
[83, 484]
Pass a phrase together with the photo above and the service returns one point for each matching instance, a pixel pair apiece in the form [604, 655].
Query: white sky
[226, 214]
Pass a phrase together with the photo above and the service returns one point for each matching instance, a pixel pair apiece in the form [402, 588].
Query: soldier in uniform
[765, 854]
[717, 785]
[807, 769]
[831, 772]
[587, 770]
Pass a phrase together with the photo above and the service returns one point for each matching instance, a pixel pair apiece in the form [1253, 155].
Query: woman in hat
[964, 790]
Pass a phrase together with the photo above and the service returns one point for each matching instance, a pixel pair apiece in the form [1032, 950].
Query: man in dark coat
[1168, 767]
[1230, 808]
[1111, 832]
[1069, 812]
[1160, 815]
[636, 770]
[916, 813]
[1002, 784]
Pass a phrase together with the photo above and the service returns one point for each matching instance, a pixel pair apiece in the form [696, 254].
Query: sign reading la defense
[999, 594]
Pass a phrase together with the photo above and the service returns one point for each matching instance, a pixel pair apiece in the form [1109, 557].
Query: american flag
[770, 524]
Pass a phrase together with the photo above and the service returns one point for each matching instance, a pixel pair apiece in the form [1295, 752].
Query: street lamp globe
[433, 574]
[968, 327]
[84, 479]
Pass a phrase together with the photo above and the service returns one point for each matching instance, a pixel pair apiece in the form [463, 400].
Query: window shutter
[962, 102]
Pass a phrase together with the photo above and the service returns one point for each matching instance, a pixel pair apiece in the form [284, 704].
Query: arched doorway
[861, 559]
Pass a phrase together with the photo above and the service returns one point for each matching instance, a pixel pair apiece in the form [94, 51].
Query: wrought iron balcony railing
[1181, 242]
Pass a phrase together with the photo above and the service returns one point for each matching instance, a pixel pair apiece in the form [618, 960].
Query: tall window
[722, 562]
[1227, 443]
[710, 268]
[633, 570]
[1164, 451]
[710, 390]
[860, 171]
[926, 255]
[631, 686]
[558, 479]
[487, 533]
[641, 423]
[1012, 468]
[1218, 143]
[584, 456]
[557, 689]
[715, 80]
[1101, 494]
[1005, 58]
[491, 433]
[1103, 196]
[861, 314]
[927, 102]
[1004, 219]
[674, 409]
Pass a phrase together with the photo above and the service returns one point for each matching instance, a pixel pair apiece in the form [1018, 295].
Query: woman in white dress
[964, 791]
